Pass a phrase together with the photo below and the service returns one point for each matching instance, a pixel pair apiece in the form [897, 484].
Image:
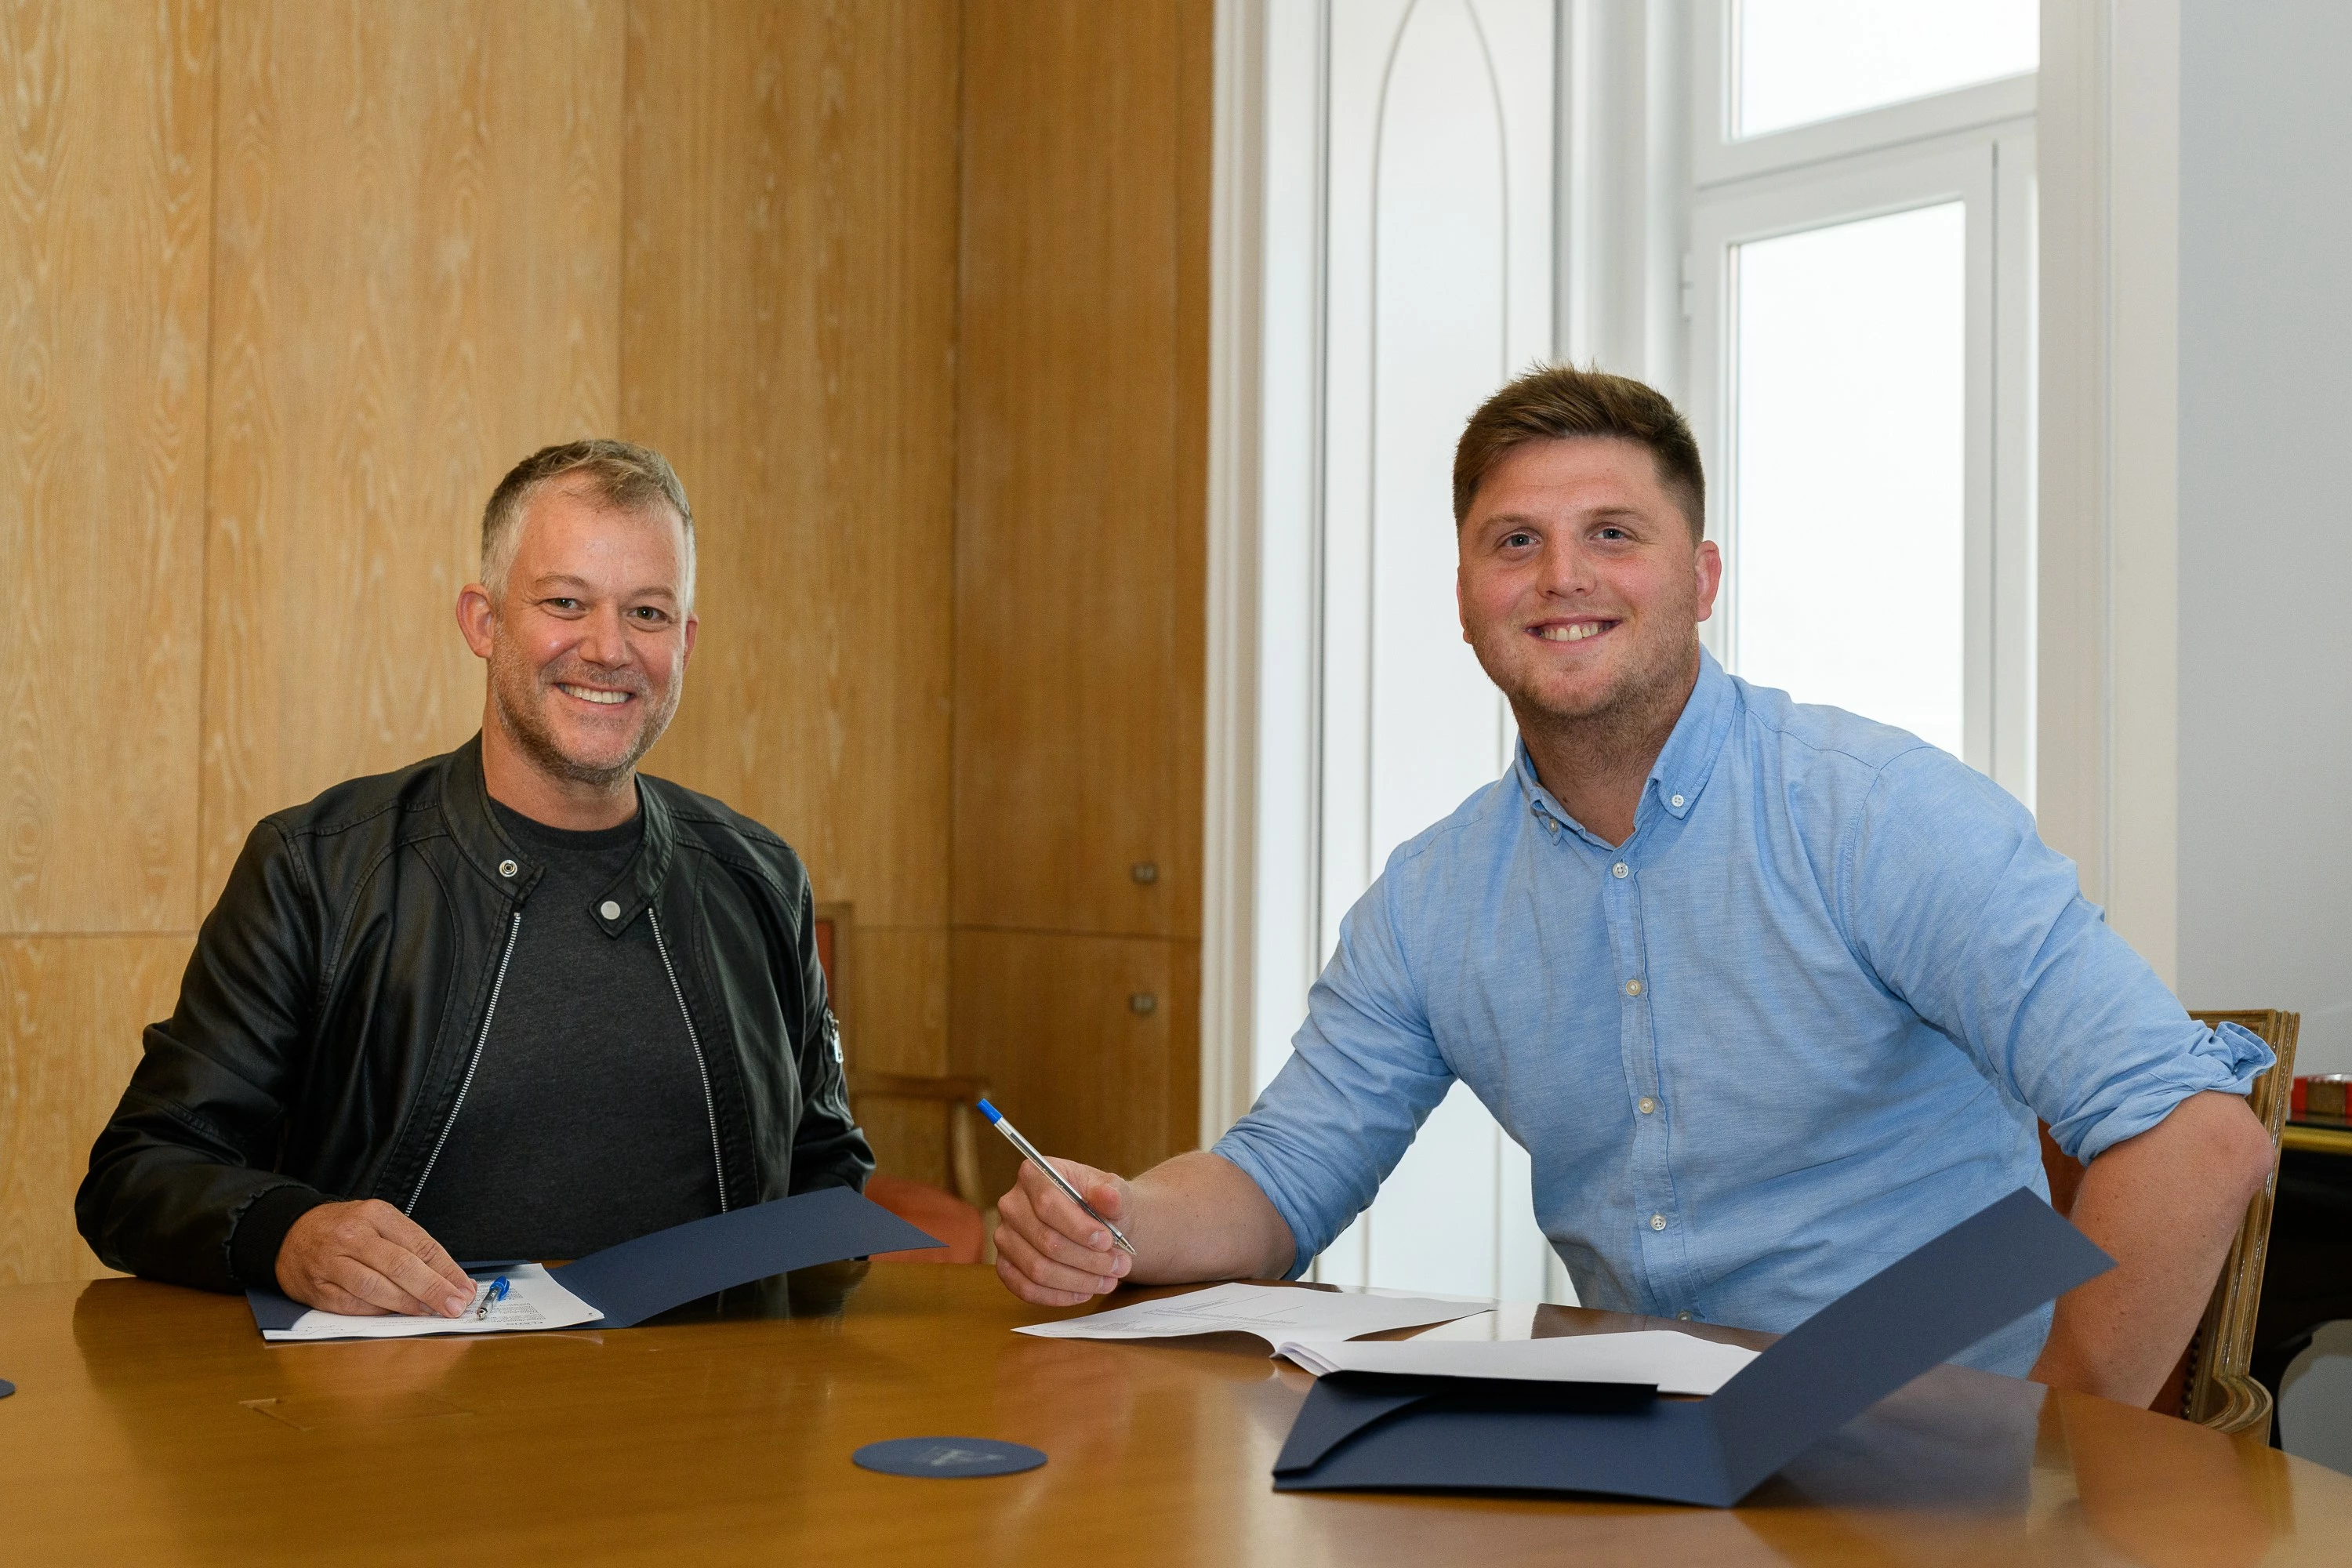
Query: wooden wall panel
[894, 1018]
[71, 1009]
[1081, 436]
[1049, 1020]
[788, 341]
[104, 247]
[417, 282]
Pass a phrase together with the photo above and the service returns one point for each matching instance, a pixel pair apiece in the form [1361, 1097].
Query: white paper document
[533, 1300]
[1676, 1363]
[1274, 1313]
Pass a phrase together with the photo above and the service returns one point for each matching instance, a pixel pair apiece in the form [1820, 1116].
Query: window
[1800, 61]
[1861, 370]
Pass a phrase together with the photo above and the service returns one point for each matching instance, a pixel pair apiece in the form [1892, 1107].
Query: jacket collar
[514, 870]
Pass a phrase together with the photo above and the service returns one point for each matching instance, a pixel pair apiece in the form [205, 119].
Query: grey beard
[536, 744]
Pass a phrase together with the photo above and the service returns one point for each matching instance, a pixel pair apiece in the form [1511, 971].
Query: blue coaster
[7, 1388]
[939, 1457]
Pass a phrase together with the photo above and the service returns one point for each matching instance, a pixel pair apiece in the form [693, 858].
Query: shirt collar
[1684, 763]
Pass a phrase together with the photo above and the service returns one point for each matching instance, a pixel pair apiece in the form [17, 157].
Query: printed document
[1673, 1362]
[1272, 1312]
[533, 1300]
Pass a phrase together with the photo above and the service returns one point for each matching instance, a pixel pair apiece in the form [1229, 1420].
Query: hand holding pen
[1062, 1224]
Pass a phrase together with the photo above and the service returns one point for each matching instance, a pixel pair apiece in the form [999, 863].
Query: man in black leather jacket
[519, 999]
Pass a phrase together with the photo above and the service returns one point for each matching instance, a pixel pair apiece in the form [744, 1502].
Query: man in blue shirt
[1771, 993]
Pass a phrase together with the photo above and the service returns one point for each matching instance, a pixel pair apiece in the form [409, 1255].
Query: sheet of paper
[1272, 1312]
[1673, 1362]
[533, 1300]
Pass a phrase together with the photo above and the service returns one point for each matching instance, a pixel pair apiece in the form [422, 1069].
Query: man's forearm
[2164, 1206]
[1200, 1217]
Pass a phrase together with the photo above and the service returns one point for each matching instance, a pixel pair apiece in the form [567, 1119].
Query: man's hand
[1054, 1253]
[369, 1259]
[1196, 1216]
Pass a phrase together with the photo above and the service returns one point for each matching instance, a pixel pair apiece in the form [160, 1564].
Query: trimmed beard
[521, 721]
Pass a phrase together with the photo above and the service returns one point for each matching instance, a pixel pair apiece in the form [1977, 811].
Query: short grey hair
[623, 476]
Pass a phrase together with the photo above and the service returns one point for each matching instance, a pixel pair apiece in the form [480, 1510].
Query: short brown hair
[625, 477]
[1559, 401]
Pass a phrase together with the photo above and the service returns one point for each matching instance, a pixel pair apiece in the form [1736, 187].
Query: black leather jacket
[338, 993]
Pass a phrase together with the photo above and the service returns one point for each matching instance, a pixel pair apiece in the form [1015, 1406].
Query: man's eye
[562, 604]
[1517, 540]
[649, 615]
[1612, 532]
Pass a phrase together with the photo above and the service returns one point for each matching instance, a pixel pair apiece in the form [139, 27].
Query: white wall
[2265, 514]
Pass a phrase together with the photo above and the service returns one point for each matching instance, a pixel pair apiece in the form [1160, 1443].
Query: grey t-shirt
[586, 1122]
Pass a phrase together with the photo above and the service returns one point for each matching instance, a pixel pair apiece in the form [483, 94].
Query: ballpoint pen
[492, 1294]
[1029, 1152]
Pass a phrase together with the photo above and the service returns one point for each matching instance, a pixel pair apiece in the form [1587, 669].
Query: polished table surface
[153, 1425]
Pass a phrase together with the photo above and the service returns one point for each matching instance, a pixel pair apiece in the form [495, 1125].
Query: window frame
[1972, 144]
[1718, 156]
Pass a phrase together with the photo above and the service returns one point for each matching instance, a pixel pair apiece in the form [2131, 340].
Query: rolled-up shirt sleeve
[1950, 896]
[1364, 1073]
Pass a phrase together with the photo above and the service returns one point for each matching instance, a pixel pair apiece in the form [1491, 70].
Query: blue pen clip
[491, 1297]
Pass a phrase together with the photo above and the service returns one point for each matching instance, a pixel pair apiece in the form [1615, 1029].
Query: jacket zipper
[709, 1107]
[514, 930]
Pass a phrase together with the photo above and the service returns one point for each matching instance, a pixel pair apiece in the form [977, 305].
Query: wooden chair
[2214, 1383]
[957, 1218]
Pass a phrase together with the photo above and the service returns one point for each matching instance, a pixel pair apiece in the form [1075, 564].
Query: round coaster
[942, 1456]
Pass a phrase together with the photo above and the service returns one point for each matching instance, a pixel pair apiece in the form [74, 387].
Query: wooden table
[154, 1426]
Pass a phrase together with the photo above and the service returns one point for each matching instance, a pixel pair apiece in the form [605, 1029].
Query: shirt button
[1632, 988]
[1617, 869]
[1675, 801]
[1647, 1104]
[508, 868]
[1685, 1317]
[1657, 1221]
[609, 909]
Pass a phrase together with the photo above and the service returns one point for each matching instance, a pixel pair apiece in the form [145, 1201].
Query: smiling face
[1580, 586]
[588, 643]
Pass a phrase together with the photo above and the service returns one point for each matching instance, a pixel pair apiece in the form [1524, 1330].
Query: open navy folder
[638, 1279]
[1359, 1431]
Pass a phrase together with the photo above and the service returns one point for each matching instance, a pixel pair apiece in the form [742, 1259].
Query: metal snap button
[609, 909]
[508, 868]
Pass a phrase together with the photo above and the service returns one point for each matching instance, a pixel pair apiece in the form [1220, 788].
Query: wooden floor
[154, 1426]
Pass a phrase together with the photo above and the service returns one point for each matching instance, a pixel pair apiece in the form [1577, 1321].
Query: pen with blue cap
[1029, 1152]
[494, 1292]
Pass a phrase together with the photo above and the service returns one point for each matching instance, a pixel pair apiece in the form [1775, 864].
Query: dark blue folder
[640, 1278]
[1359, 1431]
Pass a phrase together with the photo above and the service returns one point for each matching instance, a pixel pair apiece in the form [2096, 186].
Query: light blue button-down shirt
[1798, 1024]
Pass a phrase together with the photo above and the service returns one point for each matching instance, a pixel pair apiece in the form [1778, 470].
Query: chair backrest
[2214, 1383]
[957, 1098]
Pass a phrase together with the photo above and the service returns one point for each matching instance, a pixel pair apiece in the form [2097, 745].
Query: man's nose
[1566, 569]
[603, 641]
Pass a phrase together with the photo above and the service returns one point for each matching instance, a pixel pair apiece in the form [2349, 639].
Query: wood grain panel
[1049, 1020]
[104, 252]
[788, 339]
[1082, 417]
[71, 1009]
[894, 1018]
[417, 282]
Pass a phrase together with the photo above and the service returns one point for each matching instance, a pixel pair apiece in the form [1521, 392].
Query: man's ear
[477, 619]
[692, 625]
[1708, 564]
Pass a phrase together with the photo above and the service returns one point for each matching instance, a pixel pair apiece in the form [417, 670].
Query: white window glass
[1802, 61]
[1849, 452]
